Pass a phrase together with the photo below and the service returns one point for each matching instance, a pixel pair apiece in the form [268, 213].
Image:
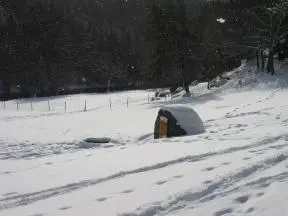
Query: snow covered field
[239, 166]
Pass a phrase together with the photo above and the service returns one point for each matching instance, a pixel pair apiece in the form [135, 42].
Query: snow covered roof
[187, 118]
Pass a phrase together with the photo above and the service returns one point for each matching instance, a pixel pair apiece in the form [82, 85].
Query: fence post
[65, 105]
[31, 104]
[17, 105]
[4, 105]
[110, 104]
[127, 101]
[148, 99]
[49, 108]
[85, 106]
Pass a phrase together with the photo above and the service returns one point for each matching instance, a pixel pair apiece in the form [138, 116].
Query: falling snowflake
[221, 20]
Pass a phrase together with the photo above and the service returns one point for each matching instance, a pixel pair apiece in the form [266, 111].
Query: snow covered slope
[239, 166]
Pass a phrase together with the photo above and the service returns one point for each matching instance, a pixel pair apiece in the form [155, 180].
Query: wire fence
[70, 105]
[86, 104]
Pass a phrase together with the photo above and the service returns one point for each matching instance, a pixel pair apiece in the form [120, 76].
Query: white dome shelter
[177, 120]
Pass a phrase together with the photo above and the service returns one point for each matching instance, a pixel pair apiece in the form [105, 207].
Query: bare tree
[270, 28]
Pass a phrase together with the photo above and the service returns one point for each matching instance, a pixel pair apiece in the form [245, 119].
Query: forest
[48, 45]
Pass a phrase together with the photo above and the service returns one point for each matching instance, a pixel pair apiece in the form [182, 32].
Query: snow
[237, 167]
[187, 118]
[221, 20]
[164, 93]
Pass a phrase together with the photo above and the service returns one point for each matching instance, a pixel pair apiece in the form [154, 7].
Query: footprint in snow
[211, 120]
[127, 191]
[254, 151]
[240, 125]
[209, 168]
[207, 182]
[226, 163]
[260, 194]
[7, 172]
[249, 210]
[48, 163]
[102, 199]
[178, 176]
[161, 182]
[265, 185]
[64, 208]
[246, 158]
[223, 212]
[242, 199]
[278, 147]
[277, 117]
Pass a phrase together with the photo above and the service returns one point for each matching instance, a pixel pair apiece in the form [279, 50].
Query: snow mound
[164, 93]
[247, 77]
[187, 118]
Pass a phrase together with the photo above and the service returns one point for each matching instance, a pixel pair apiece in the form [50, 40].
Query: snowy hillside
[239, 166]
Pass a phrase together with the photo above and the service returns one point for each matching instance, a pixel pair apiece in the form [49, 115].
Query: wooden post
[65, 105]
[85, 106]
[110, 104]
[4, 105]
[49, 108]
[17, 105]
[127, 101]
[31, 105]
[148, 99]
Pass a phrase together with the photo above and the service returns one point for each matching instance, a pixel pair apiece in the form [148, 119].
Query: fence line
[124, 100]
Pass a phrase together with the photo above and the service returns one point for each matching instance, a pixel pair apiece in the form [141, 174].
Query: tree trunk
[257, 57]
[185, 74]
[6, 86]
[262, 61]
[186, 86]
[270, 63]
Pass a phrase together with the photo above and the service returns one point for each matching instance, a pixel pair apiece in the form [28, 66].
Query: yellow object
[163, 127]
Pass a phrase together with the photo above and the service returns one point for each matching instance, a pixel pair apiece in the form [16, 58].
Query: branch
[278, 29]
[260, 20]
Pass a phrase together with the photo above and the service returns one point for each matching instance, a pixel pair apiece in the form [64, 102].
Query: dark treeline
[50, 44]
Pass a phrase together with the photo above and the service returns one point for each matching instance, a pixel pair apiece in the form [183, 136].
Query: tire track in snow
[28, 198]
[211, 191]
